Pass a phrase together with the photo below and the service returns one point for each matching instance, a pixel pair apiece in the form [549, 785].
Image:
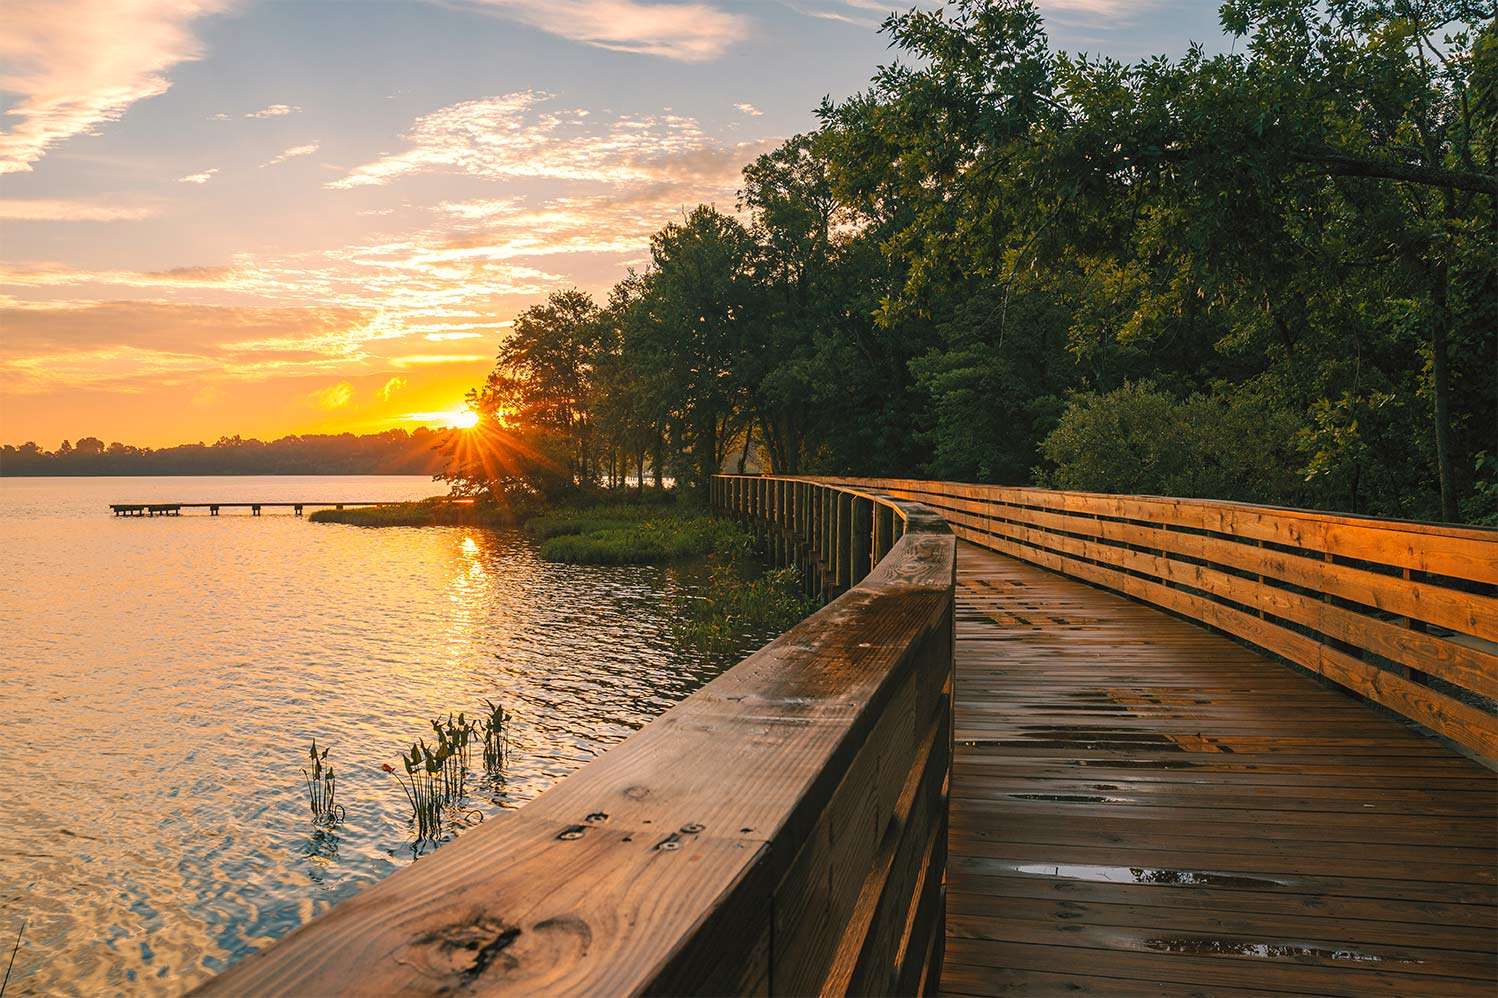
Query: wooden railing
[1403, 614]
[781, 831]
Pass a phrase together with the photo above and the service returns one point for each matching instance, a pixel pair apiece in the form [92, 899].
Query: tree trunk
[748, 439]
[1441, 375]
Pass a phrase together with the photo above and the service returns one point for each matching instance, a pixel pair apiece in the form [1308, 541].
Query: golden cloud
[391, 387]
[43, 210]
[334, 396]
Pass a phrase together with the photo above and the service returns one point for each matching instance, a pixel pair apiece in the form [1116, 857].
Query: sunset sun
[466, 420]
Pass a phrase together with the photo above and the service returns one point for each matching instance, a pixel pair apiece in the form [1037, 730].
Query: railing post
[862, 538]
[829, 540]
[845, 541]
[884, 530]
[788, 501]
[761, 520]
[777, 488]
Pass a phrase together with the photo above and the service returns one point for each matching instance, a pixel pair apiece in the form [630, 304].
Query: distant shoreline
[217, 474]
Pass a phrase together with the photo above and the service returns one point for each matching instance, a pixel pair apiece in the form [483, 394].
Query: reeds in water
[322, 787]
[423, 788]
[496, 737]
[436, 780]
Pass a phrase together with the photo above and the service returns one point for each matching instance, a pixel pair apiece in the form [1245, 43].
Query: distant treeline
[393, 452]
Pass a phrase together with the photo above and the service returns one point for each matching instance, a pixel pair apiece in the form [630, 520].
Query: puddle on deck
[1204, 946]
[1145, 875]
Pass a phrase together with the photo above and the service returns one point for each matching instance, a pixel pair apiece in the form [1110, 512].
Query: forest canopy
[1269, 275]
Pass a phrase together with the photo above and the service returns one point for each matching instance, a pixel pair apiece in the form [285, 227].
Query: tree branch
[1342, 165]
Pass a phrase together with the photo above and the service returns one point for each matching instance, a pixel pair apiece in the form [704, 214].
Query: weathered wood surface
[1141, 807]
[781, 831]
[1403, 614]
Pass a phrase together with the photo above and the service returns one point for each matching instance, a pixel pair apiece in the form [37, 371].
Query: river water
[164, 677]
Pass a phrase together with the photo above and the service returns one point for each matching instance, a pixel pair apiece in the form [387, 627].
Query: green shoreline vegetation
[436, 511]
[648, 527]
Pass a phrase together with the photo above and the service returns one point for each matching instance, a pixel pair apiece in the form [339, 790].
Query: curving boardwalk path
[1142, 807]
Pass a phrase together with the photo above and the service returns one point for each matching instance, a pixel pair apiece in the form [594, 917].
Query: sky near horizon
[262, 217]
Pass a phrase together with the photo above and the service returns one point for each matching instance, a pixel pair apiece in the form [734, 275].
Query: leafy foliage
[1264, 274]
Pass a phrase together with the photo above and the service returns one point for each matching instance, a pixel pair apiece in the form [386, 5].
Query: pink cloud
[690, 32]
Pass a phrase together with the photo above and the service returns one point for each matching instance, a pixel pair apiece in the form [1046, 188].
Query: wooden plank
[1471, 667]
[1440, 549]
[1231, 851]
[1463, 724]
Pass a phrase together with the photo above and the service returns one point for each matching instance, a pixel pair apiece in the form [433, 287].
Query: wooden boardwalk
[1142, 807]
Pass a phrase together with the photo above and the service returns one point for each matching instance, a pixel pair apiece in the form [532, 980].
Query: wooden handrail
[1403, 614]
[782, 830]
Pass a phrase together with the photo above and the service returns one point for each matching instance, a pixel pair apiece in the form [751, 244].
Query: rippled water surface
[164, 677]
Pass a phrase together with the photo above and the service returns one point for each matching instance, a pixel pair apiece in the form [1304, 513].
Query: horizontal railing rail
[782, 830]
[1403, 614]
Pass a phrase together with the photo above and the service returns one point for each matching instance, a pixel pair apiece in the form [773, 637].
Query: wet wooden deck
[1141, 807]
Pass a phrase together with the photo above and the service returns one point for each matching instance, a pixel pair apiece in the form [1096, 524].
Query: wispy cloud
[41, 210]
[79, 65]
[748, 109]
[427, 359]
[198, 178]
[120, 344]
[519, 135]
[334, 396]
[55, 276]
[391, 388]
[1121, 10]
[292, 153]
[691, 32]
[274, 111]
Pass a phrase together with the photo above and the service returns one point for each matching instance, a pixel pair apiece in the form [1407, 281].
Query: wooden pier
[1107, 745]
[176, 508]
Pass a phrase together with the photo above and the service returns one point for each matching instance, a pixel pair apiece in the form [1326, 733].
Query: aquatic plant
[322, 788]
[453, 738]
[436, 780]
[496, 737]
[423, 788]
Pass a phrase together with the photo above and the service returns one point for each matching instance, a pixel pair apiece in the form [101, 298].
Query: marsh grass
[438, 511]
[496, 733]
[322, 787]
[731, 606]
[656, 538]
